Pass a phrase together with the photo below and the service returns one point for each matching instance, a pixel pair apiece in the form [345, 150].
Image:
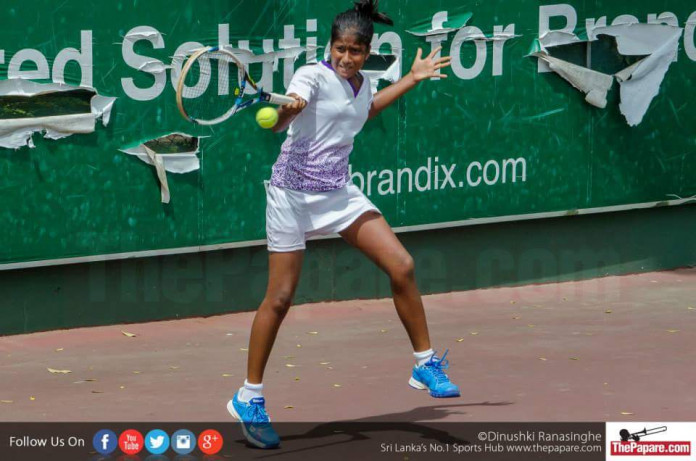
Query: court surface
[609, 349]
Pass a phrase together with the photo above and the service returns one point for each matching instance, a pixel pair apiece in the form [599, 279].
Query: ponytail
[368, 8]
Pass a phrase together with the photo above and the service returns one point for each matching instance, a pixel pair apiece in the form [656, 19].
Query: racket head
[212, 85]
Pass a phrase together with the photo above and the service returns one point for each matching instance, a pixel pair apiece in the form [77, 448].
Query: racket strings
[213, 85]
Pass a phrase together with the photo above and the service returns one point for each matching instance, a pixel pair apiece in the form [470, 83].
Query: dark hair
[359, 21]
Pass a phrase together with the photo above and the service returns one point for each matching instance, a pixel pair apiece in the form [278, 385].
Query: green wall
[81, 196]
[201, 284]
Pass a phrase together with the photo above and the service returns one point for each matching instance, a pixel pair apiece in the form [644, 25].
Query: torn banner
[640, 83]
[174, 153]
[385, 67]
[388, 66]
[17, 132]
[594, 84]
[441, 23]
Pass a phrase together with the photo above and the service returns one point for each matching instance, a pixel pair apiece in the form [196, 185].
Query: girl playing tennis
[310, 194]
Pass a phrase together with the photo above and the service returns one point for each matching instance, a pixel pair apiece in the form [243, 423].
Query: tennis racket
[214, 85]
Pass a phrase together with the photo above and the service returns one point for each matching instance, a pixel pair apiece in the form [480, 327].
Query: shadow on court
[610, 349]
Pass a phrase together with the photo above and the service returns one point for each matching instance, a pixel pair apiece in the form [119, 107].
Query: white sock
[250, 391]
[423, 357]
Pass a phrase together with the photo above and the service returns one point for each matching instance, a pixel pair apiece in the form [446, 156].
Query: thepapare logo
[626, 435]
[632, 443]
[32, 64]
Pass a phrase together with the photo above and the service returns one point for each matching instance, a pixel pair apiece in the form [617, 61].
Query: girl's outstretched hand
[422, 69]
[428, 68]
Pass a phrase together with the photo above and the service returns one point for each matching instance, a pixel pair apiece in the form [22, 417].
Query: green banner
[548, 109]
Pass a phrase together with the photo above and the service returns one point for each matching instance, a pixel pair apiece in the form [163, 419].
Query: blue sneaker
[256, 424]
[432, 377]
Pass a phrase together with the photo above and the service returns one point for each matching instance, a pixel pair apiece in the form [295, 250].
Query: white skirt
[294, 216]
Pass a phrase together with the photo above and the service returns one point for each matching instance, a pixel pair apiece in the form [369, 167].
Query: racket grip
[279, 99]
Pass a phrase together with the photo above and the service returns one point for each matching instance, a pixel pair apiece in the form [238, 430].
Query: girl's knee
[279, 302]
[403, 271]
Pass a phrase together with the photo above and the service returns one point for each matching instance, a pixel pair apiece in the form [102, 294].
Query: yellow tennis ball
[267, 117]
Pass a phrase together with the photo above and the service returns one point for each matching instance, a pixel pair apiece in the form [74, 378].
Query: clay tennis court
[608, 349]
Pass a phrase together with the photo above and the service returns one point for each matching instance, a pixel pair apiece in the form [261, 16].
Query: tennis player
[310, 193]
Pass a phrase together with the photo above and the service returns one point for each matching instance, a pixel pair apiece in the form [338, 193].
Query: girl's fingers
[294, 107]
[434, 52]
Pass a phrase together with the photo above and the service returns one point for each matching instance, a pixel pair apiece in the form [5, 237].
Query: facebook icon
[105, 442]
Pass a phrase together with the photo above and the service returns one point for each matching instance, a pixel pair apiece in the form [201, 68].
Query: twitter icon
[157, 441]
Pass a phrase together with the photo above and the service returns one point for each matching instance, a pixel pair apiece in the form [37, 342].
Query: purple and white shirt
[314, 157]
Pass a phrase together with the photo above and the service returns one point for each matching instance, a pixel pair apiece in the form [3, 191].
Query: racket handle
[279, 99]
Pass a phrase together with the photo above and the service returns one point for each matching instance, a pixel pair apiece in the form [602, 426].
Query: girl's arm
[422, 69]
[288, 112]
